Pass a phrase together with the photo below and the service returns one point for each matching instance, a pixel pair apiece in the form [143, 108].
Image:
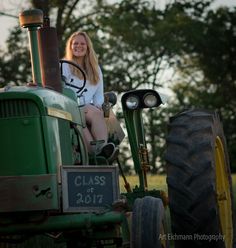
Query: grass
[154, 182]
[159, 182]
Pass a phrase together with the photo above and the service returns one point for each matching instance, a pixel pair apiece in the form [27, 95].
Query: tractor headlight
[132, 102]
[150, 100]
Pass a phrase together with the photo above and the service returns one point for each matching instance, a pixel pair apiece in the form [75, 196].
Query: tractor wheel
[199, 181]
[148, 224]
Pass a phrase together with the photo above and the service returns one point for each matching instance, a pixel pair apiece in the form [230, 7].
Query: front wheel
[148, 224]
[199, 181]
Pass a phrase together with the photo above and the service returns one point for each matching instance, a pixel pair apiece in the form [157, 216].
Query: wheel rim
[223, 194]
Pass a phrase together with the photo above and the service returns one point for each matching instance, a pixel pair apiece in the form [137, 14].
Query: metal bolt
[49, 195]
[35, 188]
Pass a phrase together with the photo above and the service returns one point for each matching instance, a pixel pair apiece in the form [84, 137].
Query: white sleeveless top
[93, 94]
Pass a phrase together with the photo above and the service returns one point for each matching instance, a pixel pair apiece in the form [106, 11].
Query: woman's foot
[109, 151]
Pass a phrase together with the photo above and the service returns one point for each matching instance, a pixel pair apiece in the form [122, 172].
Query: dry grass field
[159, 182]
[154, 182]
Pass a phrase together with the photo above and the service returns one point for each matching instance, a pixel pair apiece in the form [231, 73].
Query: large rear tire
[199, 181]
[148, 224]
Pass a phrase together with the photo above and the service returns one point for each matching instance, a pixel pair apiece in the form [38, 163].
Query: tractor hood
[49, 102]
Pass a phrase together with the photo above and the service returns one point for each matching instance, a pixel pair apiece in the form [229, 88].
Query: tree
[208, 69]
[129, 59]
[15, 65]
[137, 42]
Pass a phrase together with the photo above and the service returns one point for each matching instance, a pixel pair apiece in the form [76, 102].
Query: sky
[14, 7]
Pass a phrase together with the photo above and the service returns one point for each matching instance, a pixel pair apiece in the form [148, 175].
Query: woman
[79, 49]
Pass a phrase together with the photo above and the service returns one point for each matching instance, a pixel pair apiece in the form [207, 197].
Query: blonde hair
[90, 65]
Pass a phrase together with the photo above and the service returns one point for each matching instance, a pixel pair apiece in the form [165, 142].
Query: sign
[89, 188]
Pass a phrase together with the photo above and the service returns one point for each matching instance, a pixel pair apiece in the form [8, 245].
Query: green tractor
[53, 194]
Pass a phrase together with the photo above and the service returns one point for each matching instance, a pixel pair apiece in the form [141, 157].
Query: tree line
[187, 47]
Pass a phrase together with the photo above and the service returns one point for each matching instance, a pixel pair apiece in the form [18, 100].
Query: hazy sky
[13, 7]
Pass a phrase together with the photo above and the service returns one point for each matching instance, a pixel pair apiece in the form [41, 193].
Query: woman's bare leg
[95, 120]
[88, 138]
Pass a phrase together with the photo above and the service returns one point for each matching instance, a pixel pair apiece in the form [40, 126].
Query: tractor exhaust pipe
[43, 49]
[33, 20]
[49, 56]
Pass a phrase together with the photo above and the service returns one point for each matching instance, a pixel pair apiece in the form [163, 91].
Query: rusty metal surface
[27, 193]
[49, 58]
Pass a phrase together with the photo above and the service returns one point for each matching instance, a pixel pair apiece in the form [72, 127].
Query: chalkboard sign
[89, 188]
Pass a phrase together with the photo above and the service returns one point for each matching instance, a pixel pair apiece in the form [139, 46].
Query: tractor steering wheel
[79, 89]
